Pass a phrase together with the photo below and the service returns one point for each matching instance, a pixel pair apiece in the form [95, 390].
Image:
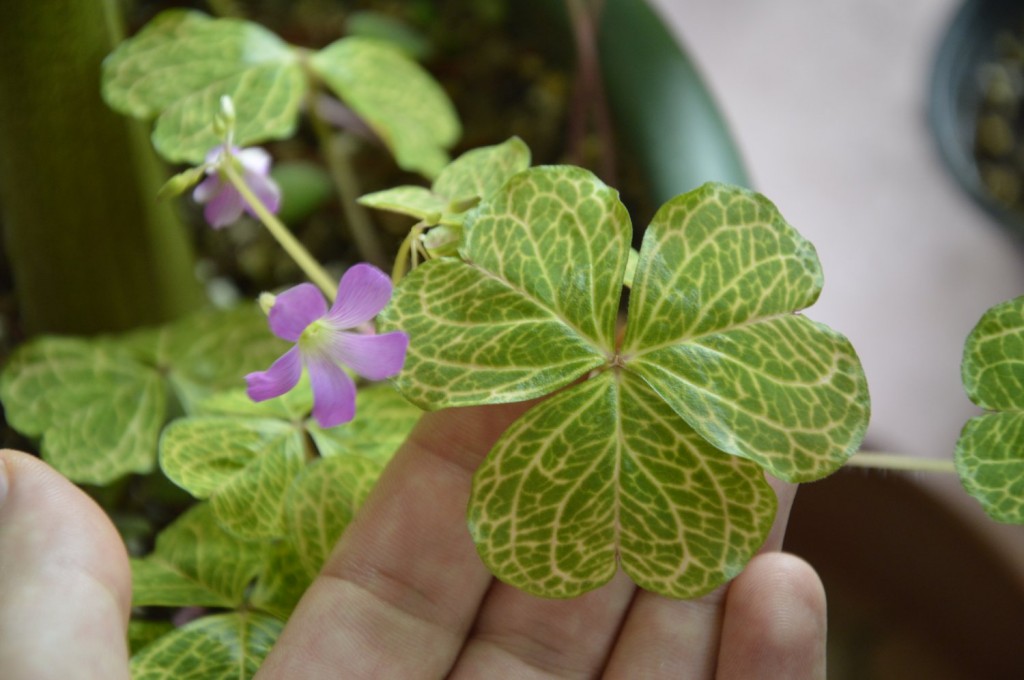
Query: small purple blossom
[224, 205]
[325, 341]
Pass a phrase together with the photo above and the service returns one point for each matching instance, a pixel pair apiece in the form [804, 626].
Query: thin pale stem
[336, 148]
[279, 231]
[405, 251]
[896, 461]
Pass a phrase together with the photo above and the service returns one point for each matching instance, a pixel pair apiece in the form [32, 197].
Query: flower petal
[254, 160]
[374, 357]
[334, 393]
[207, 189]
[363, 291]
[265, 189]
[282, 376]
[294, 310]
[224, 208]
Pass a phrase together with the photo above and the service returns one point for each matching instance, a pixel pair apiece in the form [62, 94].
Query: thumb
[65, 584]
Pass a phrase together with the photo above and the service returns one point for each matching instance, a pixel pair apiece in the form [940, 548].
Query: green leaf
[414, 201]
[196, 562]
[403, 104]
[714, 358]
[989, 456]
[98, 404]
[320, 504]
[282, 581]
[98, 411]
[142, 632]
[225, 646]
[323, 501]
[383, 420]
[371, 24]
[292, 406]
[473, 176]
[480, 172]
[178, 67]
[244, 465]
[533, 306]
[603, 474]
[712, 329]
[213, 351]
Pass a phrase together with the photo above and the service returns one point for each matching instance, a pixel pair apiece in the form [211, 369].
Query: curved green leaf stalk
[898, 461]
[309, 265]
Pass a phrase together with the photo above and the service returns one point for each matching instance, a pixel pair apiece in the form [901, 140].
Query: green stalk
[279, 231]
[90, 248]
[336, 148]
[895, 461]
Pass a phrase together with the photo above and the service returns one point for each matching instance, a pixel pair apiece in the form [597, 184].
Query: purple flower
[324, 342]
[224, 205]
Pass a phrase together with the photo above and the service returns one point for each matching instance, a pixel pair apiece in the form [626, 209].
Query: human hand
[404, 594]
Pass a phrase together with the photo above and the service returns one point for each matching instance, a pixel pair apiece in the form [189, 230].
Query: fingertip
[66, 590]
[775, 621]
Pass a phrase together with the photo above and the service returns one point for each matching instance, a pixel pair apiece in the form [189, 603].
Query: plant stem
[279, 231]
[895, 461]
[589, 101]
[337, 151]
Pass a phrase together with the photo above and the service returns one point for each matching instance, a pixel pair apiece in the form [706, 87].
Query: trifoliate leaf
[990, 451]
[196, 562]
[220, 647]
[396, 97]
[97, 410]
[474, 175]
[712, 329]
[712, 333]
[605, 473]
[534, 304]
[99, 403]
[244, 465]
[180, 65]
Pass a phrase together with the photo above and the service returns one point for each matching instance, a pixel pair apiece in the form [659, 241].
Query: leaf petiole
[897, 461]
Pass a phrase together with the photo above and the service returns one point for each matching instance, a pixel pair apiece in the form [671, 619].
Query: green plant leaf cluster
[461, 185]
[180, 65]
[219, 646]
[98, 405]
[245, 456]
[990, 452]
[281, 491]
[474, 175]
[651, 453]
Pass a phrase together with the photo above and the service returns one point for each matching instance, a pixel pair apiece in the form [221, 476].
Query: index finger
[402, 587]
